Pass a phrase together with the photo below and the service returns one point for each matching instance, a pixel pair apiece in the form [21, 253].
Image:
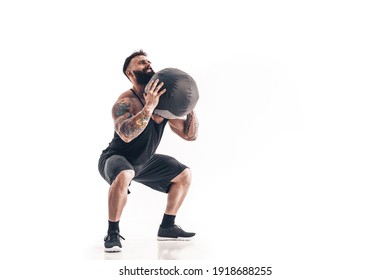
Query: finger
[161, 92]
[155, 82]
[159, 86]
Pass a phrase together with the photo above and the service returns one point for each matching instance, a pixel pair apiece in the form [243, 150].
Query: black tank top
[141, 148]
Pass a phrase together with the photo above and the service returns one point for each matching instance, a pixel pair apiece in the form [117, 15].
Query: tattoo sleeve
[191, 126]
[127, 125]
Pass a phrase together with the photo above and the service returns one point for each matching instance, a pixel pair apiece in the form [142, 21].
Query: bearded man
[131, 155]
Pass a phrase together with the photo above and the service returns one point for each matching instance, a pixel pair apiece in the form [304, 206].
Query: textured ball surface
[181, 93]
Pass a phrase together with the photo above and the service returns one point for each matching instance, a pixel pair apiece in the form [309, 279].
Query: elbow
[192, 137]
[124, 134]
[124, 137]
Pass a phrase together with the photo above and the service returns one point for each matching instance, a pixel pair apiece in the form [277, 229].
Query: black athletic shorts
[156, 173]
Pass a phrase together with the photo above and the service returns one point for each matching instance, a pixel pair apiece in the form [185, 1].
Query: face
[141, 69]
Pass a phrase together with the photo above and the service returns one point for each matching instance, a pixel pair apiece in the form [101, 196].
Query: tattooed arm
[127, 125]
[186, 129]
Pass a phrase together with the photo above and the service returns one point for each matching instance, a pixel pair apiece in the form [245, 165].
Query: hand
[152, 96]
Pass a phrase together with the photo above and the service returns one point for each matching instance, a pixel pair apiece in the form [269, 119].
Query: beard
[143, 77]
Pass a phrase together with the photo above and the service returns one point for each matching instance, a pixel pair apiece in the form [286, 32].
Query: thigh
[110, 168]
[158, 172]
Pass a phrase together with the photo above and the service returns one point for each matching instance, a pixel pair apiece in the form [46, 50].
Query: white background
[291, 167]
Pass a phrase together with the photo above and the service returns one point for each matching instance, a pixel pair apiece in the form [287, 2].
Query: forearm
[129, 127]
[191, 126]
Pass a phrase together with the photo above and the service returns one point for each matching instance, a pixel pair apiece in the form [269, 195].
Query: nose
[148, 66]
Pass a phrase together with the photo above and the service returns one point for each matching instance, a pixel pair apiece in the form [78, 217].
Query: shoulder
[126, 98]
[122, 105]
[126, 104]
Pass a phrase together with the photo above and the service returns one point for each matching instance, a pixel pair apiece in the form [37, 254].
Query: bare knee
[184, 178]
[123, 179]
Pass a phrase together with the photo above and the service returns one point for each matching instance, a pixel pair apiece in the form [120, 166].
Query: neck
[139, 89]
[139, 94]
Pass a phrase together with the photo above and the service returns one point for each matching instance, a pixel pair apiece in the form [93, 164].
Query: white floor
[151, 249]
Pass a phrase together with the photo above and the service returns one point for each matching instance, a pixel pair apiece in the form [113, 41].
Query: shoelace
[113, 234]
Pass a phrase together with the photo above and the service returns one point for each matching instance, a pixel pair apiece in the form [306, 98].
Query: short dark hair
[127, 61]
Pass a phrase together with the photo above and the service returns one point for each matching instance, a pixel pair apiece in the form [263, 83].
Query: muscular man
[131, 153]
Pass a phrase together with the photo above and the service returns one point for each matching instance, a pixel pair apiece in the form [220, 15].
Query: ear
[129, 74]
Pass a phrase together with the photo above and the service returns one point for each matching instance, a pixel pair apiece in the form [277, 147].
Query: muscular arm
[127, 125]
[186, 129]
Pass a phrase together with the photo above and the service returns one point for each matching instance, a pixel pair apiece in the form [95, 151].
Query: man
[131, 153]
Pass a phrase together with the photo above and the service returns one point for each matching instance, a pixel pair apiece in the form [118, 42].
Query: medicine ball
[181, 93]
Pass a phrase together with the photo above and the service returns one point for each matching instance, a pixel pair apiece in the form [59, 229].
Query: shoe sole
[113, 249]
[174, 239]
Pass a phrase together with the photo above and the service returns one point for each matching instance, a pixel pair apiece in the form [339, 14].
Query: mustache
[143, 76]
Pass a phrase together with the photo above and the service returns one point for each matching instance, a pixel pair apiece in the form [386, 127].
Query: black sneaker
[174, 233]
[112, 242]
